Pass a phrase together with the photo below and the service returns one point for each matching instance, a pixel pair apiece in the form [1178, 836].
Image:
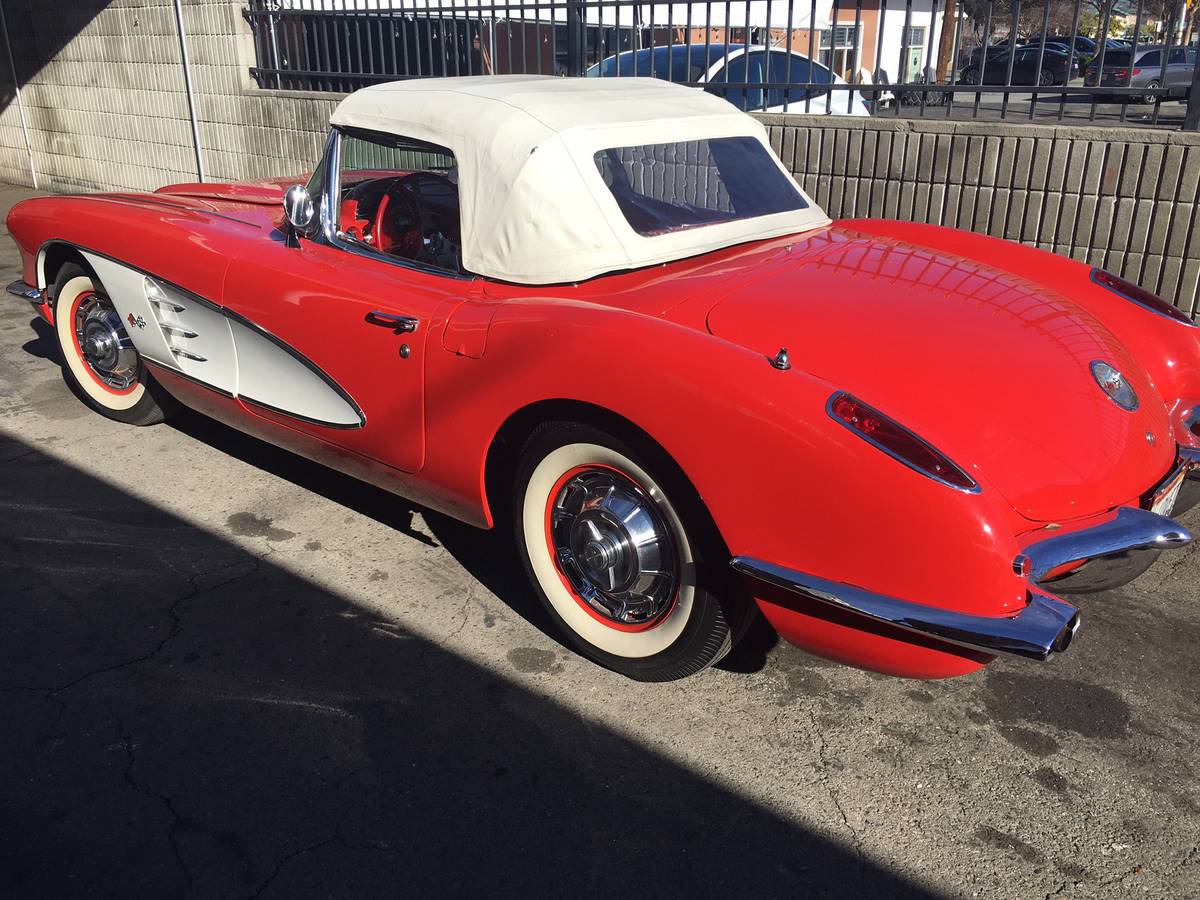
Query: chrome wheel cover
[103, 343]
[613, 547]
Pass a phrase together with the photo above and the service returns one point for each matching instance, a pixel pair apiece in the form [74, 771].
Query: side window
[1153, 58]
[747, 98]
[756, 74]
[733, 72]
[797, 70]
[399, 197]
[781, 73]
[1178, 57]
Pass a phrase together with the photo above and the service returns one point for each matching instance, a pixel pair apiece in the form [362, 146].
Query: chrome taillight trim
[836, 395]
[1046, 625]
[1183, 319]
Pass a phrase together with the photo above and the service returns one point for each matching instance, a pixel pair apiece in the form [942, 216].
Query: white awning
[755, 14]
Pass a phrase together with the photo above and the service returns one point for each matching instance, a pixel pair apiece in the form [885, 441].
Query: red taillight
[1140, 296]
[1120, 73]
[896, 440]
[1137, 71]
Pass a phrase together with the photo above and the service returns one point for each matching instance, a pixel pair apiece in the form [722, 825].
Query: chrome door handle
[399, 324]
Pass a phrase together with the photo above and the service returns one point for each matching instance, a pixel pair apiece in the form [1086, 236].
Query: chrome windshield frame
[331, 188]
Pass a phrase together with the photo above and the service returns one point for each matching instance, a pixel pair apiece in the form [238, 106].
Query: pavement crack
[174, 612]
[130, 748]
[463, 611]
[823, 775]
[288, 857]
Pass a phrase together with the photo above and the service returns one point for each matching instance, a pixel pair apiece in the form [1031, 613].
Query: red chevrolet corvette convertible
[602, 313]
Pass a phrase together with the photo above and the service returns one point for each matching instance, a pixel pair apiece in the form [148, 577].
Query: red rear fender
[781, 479]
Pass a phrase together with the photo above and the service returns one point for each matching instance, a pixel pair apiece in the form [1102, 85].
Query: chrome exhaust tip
[1063, 641]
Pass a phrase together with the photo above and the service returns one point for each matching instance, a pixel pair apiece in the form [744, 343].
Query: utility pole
[187, 84]
[1191, 121]
[946, 45]
[12, 63]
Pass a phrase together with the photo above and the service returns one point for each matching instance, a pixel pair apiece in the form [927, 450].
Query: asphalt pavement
[228, 672]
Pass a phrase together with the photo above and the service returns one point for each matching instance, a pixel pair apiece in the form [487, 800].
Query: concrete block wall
[104, 95]
[105, 104]
[1125, 199]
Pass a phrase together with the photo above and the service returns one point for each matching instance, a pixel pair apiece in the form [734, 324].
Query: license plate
[1164, 500]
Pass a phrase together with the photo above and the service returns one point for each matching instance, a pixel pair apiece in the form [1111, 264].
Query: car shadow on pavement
[488, 556]
[182, 717]
[42, 345]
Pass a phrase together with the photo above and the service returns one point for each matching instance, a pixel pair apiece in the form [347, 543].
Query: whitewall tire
[99, 361]
[614, 542]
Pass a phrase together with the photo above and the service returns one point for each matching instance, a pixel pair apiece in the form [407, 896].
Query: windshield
[661, 188]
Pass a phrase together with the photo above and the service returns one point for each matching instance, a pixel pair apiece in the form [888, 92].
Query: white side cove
[215, 347]
[269, 375]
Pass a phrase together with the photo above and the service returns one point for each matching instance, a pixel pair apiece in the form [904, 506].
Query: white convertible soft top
[534, 207]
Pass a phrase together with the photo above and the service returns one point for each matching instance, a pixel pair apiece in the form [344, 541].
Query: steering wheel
[403, 225]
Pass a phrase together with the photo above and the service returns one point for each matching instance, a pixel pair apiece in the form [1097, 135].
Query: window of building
[840, 48]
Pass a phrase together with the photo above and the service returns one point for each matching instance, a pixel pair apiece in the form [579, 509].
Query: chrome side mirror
[298, 211]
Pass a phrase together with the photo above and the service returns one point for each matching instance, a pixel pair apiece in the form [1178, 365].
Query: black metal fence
[1098, 61]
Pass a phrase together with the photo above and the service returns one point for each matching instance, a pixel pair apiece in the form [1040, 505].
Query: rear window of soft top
[662, 188]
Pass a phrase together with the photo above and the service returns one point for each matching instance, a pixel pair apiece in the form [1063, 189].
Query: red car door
[340, 344]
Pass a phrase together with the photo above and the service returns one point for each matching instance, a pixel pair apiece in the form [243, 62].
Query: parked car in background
[1146, 71]
[715, 65]
[1085, 47]
[1056, 46]
[1030, 65]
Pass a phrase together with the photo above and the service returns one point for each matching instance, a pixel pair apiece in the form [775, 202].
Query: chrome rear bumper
[1119, 549]
[1111, 552]
[1046, 625]
[1189, 495]
[1043, 627]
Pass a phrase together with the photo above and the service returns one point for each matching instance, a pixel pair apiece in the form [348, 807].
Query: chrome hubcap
[106, 348]
[613, 547]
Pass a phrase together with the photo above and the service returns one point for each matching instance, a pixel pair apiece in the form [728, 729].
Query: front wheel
[623, 555]
[100, 363]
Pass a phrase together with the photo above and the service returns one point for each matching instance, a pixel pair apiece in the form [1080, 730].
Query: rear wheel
[623, 555]
[1149, 99]
[100, 363]
[1046, 77]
